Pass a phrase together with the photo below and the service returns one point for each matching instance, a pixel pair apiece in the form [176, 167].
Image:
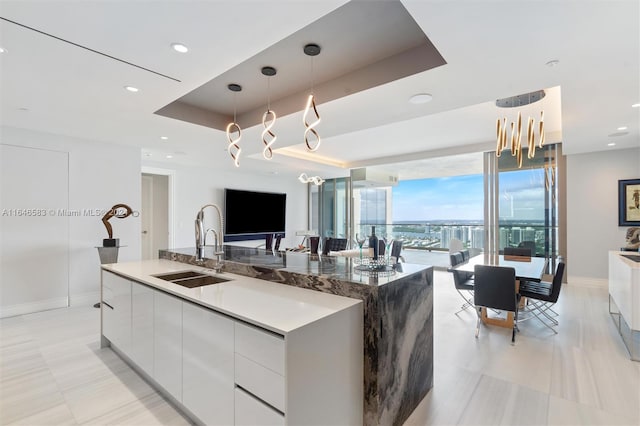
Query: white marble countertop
[277, 307]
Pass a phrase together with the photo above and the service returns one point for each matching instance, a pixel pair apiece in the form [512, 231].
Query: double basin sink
[191, 279]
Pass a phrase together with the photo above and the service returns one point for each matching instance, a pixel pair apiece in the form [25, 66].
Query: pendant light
[268, 118]
[310, 132]
[234, 132]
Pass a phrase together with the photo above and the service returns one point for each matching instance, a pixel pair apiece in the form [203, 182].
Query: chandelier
[503, 141]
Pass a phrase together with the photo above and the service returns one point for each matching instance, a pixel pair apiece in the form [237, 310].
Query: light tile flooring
[52, 370]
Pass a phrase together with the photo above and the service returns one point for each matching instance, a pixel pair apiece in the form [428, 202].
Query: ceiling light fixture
[420, 98]
[611, 144]
[131, 89]
[169, 156]
[316, 180]
[179, 47]
[635, 105]
[622, 128]
[516, 127]
[164, 138]
[552, 63]
[311, 50]
[234, 132]
[3, 50]
[268, 118]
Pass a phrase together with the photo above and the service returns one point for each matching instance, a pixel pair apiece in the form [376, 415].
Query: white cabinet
[142, 326]
[167, 343]
[207, 365]
[259, 364]
[251, 412]
[116, 310]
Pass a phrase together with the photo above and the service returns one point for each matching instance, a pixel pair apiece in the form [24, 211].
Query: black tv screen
[250, 215]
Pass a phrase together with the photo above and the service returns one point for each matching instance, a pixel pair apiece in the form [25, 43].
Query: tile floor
[52, 370]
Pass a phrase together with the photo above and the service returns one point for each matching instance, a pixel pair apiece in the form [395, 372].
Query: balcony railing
[437, 236]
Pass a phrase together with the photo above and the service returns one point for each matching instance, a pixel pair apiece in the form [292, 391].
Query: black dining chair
[333, 244]
[517, 251]
[495, 288]
[541, 296]
[465, 255]
[396, 250]
[462, 281]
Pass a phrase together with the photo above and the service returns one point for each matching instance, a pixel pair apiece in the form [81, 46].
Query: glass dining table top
[527, 268]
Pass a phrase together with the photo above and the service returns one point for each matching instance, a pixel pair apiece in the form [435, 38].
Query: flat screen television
[251, 215]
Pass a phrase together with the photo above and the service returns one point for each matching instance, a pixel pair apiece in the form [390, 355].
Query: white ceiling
[493, 49]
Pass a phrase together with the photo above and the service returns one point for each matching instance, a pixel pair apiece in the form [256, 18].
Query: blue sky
[462, 197]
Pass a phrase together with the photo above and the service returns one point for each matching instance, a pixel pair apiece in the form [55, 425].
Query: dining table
[527, 268]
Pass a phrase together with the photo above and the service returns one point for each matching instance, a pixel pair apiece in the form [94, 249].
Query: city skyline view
[461, 198]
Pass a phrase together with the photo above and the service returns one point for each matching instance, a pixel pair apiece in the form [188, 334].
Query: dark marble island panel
[398, 317]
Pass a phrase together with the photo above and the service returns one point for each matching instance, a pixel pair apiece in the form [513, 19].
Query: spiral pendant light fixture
[234, 132]
[311, 137]
[268, 118]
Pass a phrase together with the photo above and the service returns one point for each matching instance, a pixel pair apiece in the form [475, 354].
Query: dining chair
[314, 242]
[517, 251]
[541, 296]
[462, 281]
[333, 244]
[396, 250]
[465, 255]
[495, 288]
[531, 245]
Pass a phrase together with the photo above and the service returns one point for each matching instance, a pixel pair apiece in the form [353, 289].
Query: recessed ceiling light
[622, 128]
[635, 105]
[179, 47]
[420, 98]
[617, 134]
[552, 63]
[164, 138]
[131, 88]
[2, 50]
[611, 144]
[169, 156]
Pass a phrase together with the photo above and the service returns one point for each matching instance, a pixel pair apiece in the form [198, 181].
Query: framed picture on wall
[629, 202]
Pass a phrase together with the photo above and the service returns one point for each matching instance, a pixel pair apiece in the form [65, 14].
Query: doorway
[155, 214]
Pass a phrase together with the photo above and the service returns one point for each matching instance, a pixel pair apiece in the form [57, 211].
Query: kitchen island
[228, 349]
[398, 317]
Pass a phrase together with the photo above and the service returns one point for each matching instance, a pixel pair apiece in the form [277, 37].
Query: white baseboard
[588, 281]
[82, 299]
[29, 308]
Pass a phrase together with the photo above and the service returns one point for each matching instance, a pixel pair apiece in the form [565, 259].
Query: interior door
[146, 216]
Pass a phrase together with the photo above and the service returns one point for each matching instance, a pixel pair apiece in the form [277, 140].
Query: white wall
[194, 187]
[100, 175]
[592, 209]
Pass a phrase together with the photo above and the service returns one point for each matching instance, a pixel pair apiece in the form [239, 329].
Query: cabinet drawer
[252, 412]
[260, 346]
[260, 381]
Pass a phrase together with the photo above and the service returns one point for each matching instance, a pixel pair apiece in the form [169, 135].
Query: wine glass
[388, 242]
[360, 239]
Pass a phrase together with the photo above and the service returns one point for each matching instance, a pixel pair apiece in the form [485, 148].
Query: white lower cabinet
[116, 310]
[207, 365]
[225, 371]
[250, 411]
[167, 343]
[142, 326]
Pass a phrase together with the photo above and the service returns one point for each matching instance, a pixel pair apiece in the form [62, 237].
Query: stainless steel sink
[191, 279]
[170, 276]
